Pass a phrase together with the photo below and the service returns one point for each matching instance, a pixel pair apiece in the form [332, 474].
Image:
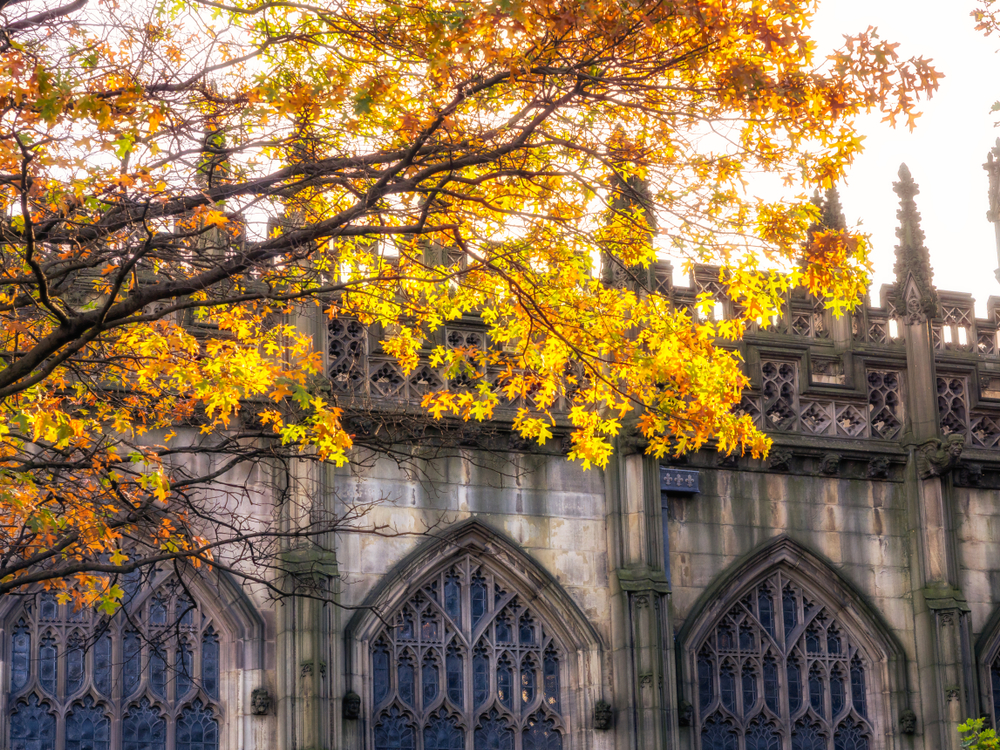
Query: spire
[992, 167]
[915, 297]
[833, 214]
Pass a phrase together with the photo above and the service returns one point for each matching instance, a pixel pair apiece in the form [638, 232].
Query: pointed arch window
[147, 678]
[778, 671]
[466, 664]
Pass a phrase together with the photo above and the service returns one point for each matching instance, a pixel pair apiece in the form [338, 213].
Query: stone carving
[878, 468]
[780, 395]
[351, 706]
[884, 403]
[646, 680]
[954, 693]
[969, 475]
[992, 167]
[779, 460]
[685, 713]
[914, 291]
[830, 463]
[952, 405]
[260, 701]
[604, 716]
[908, 722]
[935, 458]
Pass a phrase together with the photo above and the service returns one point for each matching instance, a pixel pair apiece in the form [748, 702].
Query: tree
[188, 181]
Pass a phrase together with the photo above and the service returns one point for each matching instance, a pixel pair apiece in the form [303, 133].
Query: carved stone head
[908, 722]
[830, 463]
[352, 706]
[260, 701]
[685, 713]
[603, 715]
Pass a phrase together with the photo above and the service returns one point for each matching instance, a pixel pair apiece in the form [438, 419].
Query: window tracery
[778, 671]
[147, 678]
[464, 664]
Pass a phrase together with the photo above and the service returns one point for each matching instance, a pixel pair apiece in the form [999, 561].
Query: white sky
[945, 152]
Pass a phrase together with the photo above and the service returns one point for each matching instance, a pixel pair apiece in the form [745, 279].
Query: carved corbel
[935, 458]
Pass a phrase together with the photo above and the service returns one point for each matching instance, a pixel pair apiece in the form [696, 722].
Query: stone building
[841, 595]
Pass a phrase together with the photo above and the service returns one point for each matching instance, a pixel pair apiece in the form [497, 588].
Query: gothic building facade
[843, 594]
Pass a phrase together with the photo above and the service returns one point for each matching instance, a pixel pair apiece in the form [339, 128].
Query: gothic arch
[781, 646]
[988, 667]
[515, 586]
[211, 643]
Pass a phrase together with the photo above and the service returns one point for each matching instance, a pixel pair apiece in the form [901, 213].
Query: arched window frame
[580, 646]
[241, 657]
[987, 657]
[882, 655]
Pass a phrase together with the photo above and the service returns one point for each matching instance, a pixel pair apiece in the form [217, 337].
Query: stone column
[941, 619]
[642, 637]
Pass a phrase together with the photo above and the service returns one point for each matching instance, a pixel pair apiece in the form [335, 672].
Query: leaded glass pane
[87, 727]
[443, 733]
[512, 673]
[143, 728]
[20, 662]
[32, 727]
[48, 654]
[494, 733]
[197, 729]
[210, 663]
[775, 694]
[128, 659]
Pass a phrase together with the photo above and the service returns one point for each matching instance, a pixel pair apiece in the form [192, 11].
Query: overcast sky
[945, 152]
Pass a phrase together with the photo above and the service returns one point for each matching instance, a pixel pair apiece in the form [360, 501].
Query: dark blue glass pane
[184, 666]
[430, 679]
[807, 737]
[726, 637]
[727, 687]
[762, 736]
[478, 600]
[392, 732]
[858, 686]
[816, 692]
[812, 640]
[133, 661]
[380, 672]
[143, 728]
[789, 610]
[718, 734]
[197, 729]
[528, 680]
[87, 728]
[505, 683]
[995, 676]
[705, 689]
[20, 666]
[47, 659]
[832, 641]
[404, 628]
[185, 612]
[405, 679]
[32, 727]
[836, 693]
[765, 608]
[527, 630]
[504, 631]
[442, 733]
[210, 663]
[48, 608]
[749, 688]
[74, 665]
[850, 736]
[102, 665]
[454, 670]
[541, 734]
[747, 639]
[794, 686]
[481, 677]
[493, 733]
[771, 684]
[157, 611]
[453, 597]
[550, 668]
[157, 672]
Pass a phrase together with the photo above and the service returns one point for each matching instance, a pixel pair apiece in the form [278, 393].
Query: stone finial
[992, 167]
[915, 297]
[832, 215]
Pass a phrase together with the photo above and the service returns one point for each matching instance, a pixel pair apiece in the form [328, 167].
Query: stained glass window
[481, 671]
[82, 681]
[781, 678]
